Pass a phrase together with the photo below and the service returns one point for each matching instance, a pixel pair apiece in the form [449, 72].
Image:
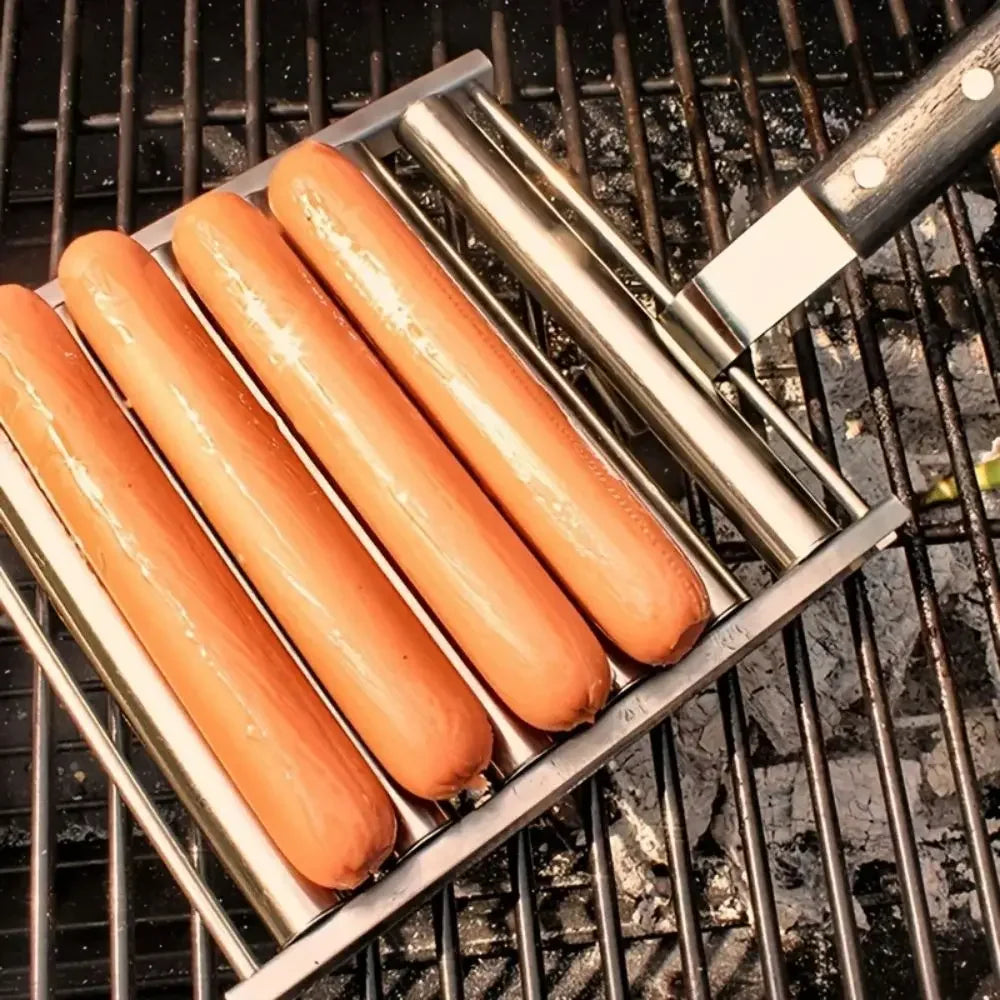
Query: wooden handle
[893, 164]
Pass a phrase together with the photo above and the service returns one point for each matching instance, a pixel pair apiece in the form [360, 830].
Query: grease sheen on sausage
[498, 603]
[285, 753]
[395, 686]
[585, 522]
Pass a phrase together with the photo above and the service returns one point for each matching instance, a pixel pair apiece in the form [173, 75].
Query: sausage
[518, 629]
[405, 700]
[286, 755]
[585, 522]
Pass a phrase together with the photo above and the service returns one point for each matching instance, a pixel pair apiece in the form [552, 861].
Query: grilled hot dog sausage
[516, 626]
[287, 756]
[405, 700]
[584, 521]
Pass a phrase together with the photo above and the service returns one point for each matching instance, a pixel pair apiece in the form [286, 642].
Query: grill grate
[751, 95]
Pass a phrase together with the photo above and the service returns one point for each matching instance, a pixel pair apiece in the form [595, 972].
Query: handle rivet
[869, 171]
[977, 83]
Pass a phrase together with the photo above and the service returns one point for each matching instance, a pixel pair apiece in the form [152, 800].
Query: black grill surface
[823, 822]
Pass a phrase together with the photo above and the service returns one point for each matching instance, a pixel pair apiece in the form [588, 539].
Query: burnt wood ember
[823, 822]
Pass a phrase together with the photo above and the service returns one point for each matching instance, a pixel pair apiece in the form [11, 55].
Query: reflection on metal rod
[59, 677]
[202, 986]
[286, 902]
[42, 841]
[724, 591]
[798, 440]
[600, 227]
[720, 450]
[119, 888]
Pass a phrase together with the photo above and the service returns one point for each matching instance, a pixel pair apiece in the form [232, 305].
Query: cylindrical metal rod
[154, 826]
[285, 901]
[529, 944]
[721, 451]
[202, 985]
[41, 864]
[119, 871]
[724, 592]
[599, 226]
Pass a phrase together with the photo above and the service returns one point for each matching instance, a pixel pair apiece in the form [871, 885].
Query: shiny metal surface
[714, 444]
[120, 925]
[724, 592]
[634, 713]
[41, 863]
[202, 971]
[104, 750]
[761, 277]
[285, 901]
[684, 342]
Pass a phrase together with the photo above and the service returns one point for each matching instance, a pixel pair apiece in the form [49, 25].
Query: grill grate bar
[796, 653]
[120, 928]
[569, 103]
[668, 783]
[202, 948]
[446, 940]
[40, 913]
[372, 972]
[191, 113]
[255, 138]
[127, 115]
[378, 71]
[41, 865]
[609, 935]
[628, 92]
[8, 66]
[314, 65]
[119, 874]
[752, 834]
[234, 112]
[845, 930]
[201, 945]
[529, 945]
[893, 791]
[65, 131]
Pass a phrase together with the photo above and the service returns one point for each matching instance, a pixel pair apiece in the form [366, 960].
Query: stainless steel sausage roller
[656, 352]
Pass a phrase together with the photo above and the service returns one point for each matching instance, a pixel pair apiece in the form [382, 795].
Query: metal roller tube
[286, 902]
[724, 591]
[601, 229]
[744, 477]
